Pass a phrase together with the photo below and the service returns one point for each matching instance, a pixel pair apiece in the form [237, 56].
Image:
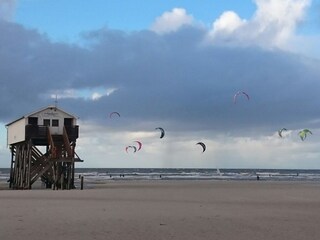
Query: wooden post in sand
[81, 187]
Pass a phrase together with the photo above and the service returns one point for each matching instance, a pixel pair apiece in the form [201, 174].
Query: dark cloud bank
[173, 78]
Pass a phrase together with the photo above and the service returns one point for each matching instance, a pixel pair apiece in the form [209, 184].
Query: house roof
[40, 110]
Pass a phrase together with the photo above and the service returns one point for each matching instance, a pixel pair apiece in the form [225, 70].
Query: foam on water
[200, 174]
[110, 174]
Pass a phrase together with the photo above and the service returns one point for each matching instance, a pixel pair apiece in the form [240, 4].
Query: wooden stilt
[62, 181]
[12, 148]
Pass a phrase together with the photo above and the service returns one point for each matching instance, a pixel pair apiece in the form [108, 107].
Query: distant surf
[113, 174]
[198, 174]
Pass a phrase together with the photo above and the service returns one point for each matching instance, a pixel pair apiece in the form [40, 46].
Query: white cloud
[85, 93]
[180, 150]
[172, 21]
[95, 96]
[279, 18]
[227, 23]
[265, 152]
[273, 24]
[112, 143]
[68, 93]
[110, 91]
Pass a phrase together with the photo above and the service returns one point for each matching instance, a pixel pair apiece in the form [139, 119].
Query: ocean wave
[109, 174]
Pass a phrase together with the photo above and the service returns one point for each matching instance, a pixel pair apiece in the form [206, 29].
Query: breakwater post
[81, 185]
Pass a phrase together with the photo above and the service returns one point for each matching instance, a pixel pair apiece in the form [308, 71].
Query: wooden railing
[72, 132]
[52, 148]
[39, 132]
[36, 131]
[66, 143]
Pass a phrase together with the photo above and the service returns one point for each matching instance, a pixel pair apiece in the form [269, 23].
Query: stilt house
[55, 130]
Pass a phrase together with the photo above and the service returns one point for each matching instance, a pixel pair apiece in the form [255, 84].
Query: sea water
[112, 174]
[199, 174]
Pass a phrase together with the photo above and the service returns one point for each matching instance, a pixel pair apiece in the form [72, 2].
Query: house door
[68, 122]
[33, 120]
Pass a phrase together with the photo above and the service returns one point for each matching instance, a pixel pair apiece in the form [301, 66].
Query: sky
[171, 64]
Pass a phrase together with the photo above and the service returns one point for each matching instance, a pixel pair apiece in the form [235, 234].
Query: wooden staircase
[40, 166]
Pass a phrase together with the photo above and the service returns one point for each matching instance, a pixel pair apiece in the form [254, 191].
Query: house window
[33, 120]
[46, 122]
[55, 122]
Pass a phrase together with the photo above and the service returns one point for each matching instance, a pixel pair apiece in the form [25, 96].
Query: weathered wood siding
[16, 131]
[52, 114]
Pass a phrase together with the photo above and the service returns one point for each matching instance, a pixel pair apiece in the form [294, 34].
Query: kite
[303, 134]
[280, 131]
[114, 113]
[139, 145]
[134, 148]
[239, 93]
[202, 145]
[162, 131]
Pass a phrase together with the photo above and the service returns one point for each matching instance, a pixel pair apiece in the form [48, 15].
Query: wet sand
[138, 210]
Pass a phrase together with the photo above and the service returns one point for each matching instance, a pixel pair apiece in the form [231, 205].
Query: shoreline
[105, 183]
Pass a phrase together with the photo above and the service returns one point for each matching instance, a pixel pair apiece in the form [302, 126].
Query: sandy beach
[154, 210]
